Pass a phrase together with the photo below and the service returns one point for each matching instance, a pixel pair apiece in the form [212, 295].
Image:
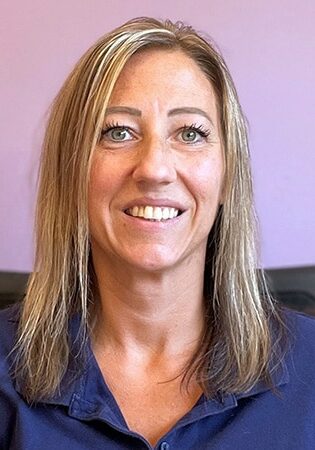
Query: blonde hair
[237, 347]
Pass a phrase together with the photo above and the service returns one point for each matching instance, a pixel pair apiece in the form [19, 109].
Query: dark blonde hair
[237, 347]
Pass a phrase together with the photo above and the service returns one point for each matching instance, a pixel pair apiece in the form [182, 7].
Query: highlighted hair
[237, 348]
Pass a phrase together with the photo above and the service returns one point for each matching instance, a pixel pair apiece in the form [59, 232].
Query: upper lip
[146, 201]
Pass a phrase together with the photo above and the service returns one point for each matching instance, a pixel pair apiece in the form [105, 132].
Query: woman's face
[157, 172]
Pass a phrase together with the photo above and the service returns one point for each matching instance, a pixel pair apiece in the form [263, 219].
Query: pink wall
[270, 48]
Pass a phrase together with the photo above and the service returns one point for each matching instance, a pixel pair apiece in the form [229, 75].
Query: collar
[85, 393]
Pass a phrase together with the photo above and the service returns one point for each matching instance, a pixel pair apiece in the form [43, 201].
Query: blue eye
[118, 134]
[115, 133]
[189, 135]
[193, 134]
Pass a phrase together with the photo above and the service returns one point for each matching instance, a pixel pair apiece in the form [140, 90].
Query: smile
[157, 213]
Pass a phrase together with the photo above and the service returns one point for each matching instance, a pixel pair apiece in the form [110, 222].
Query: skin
[149, 317]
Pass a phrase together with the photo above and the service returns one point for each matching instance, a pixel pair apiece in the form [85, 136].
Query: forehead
[168, 77]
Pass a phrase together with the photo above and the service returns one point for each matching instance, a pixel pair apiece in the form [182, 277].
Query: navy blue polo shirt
[86, 416]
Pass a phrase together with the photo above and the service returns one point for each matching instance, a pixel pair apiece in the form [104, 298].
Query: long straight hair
[237, 348]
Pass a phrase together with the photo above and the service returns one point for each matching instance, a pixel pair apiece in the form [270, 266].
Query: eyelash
[111, 126]
[204, 132]
[200, 129]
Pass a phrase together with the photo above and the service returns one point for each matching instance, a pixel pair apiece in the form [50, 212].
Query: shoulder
[300, 352]
[9, 397]
[301, 329]
[9, 320]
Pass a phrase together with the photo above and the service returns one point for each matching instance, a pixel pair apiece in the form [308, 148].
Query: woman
[146, 323]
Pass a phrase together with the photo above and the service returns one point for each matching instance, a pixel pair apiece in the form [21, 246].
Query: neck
[149, 315]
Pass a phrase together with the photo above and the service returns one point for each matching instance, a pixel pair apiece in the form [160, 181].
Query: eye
[115, 133]
[192, 134]
[189, 135]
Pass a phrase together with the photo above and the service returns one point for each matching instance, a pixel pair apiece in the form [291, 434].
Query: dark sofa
[294, 287]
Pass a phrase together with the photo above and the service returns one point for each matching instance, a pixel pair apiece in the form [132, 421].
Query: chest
[151, 406]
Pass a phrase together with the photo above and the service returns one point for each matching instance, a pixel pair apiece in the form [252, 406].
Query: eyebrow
[123, 109]
[189, 110]
[172, 112]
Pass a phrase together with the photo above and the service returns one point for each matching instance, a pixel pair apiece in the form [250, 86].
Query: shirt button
[164, 446]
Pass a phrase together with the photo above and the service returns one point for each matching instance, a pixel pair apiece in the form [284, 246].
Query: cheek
[208, 181]
[104, 180]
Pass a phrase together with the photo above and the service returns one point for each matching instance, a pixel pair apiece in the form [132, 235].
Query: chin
[151, 263]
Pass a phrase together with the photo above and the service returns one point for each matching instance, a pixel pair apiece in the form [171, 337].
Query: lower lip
[153, 225]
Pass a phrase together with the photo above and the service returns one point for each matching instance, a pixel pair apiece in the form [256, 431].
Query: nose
[155, 163]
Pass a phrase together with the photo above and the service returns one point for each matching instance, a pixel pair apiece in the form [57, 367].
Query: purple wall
[270, 48]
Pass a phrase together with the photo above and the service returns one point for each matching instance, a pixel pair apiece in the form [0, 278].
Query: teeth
[153, 212]
[148, 212]
[157, 213]
[174, 212]
[167, 213]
